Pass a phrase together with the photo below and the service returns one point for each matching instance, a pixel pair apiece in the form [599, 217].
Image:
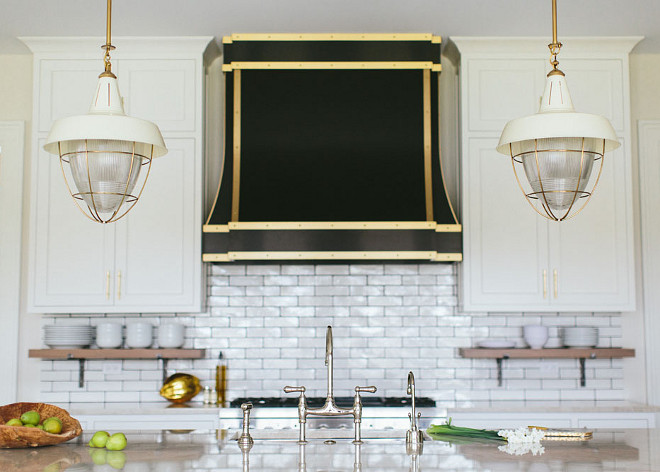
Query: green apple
[29, 425]
[41, 427]
[30, 417]
[52, 425]
[14, 422]
[116, 442]
[116, 459]
[99, 439]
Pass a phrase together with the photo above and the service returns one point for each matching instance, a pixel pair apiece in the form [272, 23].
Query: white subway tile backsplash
[270, 320]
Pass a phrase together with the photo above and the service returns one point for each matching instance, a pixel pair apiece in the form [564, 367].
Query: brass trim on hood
[428, 171]
[332, 255]
[236, 186]
[275, 65]
[332, 37]
[324, 225]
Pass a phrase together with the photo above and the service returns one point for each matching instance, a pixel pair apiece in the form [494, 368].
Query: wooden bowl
[19, 436]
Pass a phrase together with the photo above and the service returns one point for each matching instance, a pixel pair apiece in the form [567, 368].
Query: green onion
[448, 429]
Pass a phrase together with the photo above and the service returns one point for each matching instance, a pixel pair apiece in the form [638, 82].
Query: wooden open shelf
[559, 353]
[82, 354]
[117, 353]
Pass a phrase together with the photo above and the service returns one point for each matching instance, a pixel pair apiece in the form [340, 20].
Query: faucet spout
[329, 358]
[328, 344]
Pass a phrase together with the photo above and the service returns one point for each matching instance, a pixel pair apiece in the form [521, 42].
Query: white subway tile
[297, 270]
[270, 322]
[401, 269]
[436, 269]
[315, 280]
[269, 269]
[418, 280]
[370, 311]
[341, 290]
[366, 290]
[220, 269]
[86, 397]
[315, 301]
[401, 290]
[270, 291]
[55, 397]
[328, 269]
[368, 269]
[349, 301]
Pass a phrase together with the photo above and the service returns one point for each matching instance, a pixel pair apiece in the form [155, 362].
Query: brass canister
[179, 388]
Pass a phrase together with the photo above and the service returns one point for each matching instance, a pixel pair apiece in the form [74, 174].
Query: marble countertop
[167, 451]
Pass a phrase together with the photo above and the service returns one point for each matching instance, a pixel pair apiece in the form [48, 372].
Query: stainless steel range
[379, 413]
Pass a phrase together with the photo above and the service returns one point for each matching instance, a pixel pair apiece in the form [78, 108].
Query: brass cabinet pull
[119, 285]
[555, 277]
[107, 285]
[545, 283]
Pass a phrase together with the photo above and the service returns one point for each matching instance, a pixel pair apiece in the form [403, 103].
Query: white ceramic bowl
[139, 335]
[170, 335]
[535, 336]
[109, 335]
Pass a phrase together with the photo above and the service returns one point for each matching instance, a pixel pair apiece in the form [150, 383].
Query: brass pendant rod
[108, 43]
[554, 21]
[108, 26]
[555, 46]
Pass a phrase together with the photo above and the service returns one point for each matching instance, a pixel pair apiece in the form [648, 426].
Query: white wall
[16, 104]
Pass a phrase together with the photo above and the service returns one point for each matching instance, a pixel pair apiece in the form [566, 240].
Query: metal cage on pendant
[559, 172]
[105, 173]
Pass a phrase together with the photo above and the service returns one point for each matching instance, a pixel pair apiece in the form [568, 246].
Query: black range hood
[331, 151]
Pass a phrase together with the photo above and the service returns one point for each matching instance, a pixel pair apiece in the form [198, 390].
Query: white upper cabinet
[150, 260]
[514, 259]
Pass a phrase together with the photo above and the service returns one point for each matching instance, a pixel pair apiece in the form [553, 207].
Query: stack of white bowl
[579, 336]
[68, 337]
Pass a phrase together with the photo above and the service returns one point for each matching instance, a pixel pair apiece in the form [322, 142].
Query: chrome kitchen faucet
[330, 408]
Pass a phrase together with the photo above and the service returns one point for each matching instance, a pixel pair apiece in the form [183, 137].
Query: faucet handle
[294, 389]
[370, 389]
[245, 441]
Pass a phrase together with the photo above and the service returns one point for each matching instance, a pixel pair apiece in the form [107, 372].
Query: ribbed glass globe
[558, 169]
[105, 171]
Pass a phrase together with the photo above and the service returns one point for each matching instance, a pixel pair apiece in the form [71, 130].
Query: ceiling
[222, 17]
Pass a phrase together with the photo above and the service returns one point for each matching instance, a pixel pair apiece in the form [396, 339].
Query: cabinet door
[158, 248]
[66, 88]
[592, 253]
[501, 90]
[506, 247]
[72, 258]
[162, 91]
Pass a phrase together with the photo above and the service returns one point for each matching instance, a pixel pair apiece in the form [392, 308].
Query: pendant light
[105, 150]
[557, 149]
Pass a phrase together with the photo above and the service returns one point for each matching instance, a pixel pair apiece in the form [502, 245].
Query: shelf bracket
[499, 369]
[165, 360]
[81, 373]
[583, 377]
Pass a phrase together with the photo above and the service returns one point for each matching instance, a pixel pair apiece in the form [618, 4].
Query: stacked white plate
[580, 336]
[68, 337]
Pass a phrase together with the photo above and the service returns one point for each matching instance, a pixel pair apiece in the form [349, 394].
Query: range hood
[331, 151]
